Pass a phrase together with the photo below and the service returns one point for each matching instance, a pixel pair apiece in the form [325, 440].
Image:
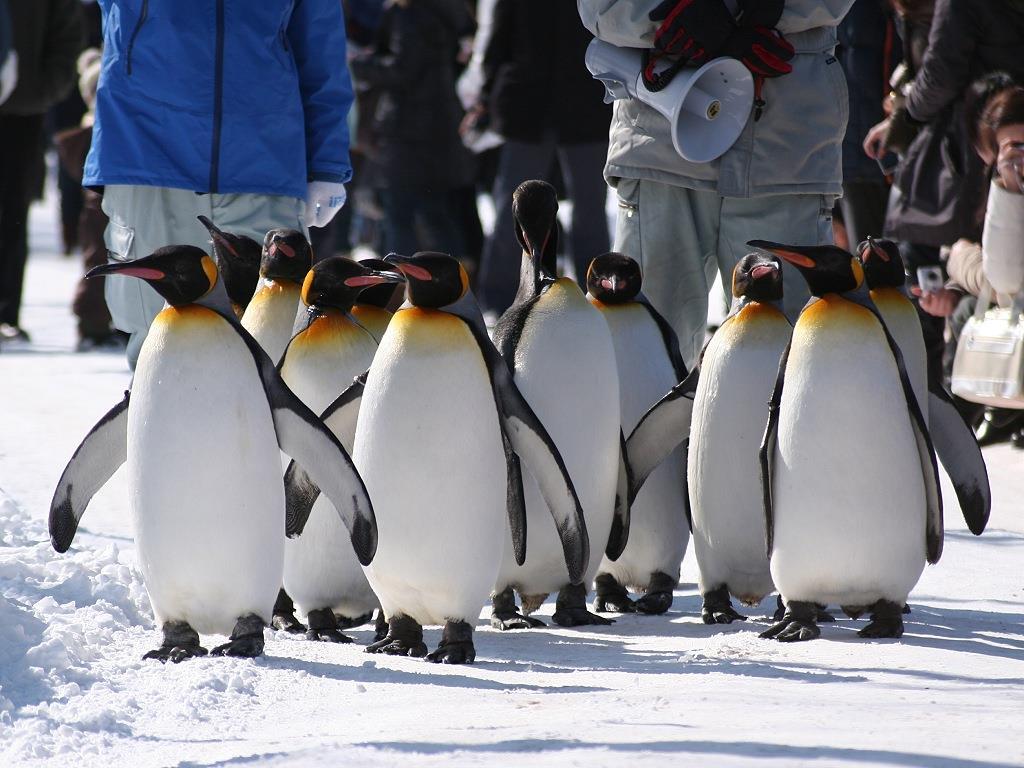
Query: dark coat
[535, 79]
[416, 120]
[48, 37]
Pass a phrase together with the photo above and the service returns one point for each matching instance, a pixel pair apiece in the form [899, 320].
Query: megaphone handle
[658, 81]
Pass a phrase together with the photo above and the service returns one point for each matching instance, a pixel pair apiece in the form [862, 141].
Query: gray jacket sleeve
[946, 69]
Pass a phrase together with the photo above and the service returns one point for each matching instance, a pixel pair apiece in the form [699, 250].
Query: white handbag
[989, 363]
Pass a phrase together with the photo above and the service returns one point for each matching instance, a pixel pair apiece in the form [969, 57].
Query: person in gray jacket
[683, 221]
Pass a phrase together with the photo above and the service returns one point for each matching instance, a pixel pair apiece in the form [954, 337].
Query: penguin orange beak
[763, 270]
[874, 249]
[284, 248]
[217, 236]
[377, 278]
[130, 269]
[794, 258]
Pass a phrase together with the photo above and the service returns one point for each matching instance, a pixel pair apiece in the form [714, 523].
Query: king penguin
[563, 359]
[271, 315]
[372, 309]
[849, 480]
[954, 440]
[439, 406]
[238, 262]
[200, 432]
[329, 349]
[649, 364]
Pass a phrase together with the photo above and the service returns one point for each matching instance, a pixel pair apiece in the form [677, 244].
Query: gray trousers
[143, 219]
[582, 166]
[683, 237]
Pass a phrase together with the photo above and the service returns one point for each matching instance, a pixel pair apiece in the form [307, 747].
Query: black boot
[180, 642]
[404, 638]
[246, 640]
[456, 645]
[612, 597]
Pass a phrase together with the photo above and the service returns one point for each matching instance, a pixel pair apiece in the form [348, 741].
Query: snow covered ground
[648, 691]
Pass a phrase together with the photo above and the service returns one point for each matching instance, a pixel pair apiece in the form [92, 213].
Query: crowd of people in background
[443, 103]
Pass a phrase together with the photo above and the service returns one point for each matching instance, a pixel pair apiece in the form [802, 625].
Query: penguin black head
[182, 274]
[336, 282]
[535, 209]
[883, 264]
[378, 295]
[613, 278]
[434, 280]
[238, 261]
[826, 268]
[758, 276]
[287, 255]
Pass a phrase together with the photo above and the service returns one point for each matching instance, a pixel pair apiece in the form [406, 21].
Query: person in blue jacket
[227, 108]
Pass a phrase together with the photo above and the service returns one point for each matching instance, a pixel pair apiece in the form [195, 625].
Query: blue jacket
[222, 96]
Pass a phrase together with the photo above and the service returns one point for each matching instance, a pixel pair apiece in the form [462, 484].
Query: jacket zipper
[218, 86]
[135, 33]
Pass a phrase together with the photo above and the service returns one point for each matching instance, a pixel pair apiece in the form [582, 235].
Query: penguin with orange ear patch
[954, 440]
[200, 433]
[849, 479]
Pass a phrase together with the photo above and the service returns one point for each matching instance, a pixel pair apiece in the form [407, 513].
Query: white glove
[323, 200]
[8, 75]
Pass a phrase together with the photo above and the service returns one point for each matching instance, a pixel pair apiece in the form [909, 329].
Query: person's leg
[788, 219]
[88, 305]
[399, 235]
[438, 226]
[255, 215]
[21, 147]
[499, 268]
[582, 168]
[863, 207]
[673, 233]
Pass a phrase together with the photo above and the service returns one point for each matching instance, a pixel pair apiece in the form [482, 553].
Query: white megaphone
[707, 108]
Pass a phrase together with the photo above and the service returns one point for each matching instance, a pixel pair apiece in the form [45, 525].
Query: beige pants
[683, 237]
[143, 219]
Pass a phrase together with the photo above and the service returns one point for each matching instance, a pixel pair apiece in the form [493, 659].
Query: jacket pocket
[143, 13]
[119, 240]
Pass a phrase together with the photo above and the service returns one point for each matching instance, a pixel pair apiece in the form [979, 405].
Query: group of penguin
[801, 458]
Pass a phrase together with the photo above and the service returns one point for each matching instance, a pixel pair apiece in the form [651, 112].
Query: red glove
[763, 51]
[695, 29]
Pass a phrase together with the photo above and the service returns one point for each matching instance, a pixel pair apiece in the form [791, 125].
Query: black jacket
[48, 36]
[417, 116]
[535, 79]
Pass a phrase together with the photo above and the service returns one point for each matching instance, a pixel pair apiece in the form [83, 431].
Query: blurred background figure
[47, 37]
[538, 95]
[418, 156]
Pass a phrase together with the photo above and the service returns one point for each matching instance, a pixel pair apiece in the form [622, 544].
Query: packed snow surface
[648, 691]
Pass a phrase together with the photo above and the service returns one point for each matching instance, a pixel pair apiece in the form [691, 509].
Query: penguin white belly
[658, 531]
[730, 411]
[849, 498]
[204, 474]
[905, 326]
[428, 446]
[565, 368]
[320, 568]
[270, 316]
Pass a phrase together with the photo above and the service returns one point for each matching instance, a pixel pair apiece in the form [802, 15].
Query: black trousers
[21, 151]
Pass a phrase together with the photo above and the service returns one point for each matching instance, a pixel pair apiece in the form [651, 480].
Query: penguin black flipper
[961, 456]
[767, 453]
[618, 537]
[515, 500]
[532, 443]
[303, 436]
[665, 425]
[668, 335]
[98, 456]
[300, 491]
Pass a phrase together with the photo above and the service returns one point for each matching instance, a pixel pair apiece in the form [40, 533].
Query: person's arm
[65, 38]
[965, 266]
[625, 23]
[801, 15]
[316, 32]
[946, 69]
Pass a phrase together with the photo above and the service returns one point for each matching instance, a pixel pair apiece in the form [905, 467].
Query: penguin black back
[287, 255]
[613, 278]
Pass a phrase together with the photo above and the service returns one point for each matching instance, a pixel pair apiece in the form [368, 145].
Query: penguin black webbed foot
[380, 626]
[658, 598]
[886, 620]
[246, 640]
[404, 638]
[612, 597]
[323, 627]
[456, 645]
[571, 609]
[797, 625]
[180, 642]
[284, 618]
[505, 615]
[717, 607]
[822, 614]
